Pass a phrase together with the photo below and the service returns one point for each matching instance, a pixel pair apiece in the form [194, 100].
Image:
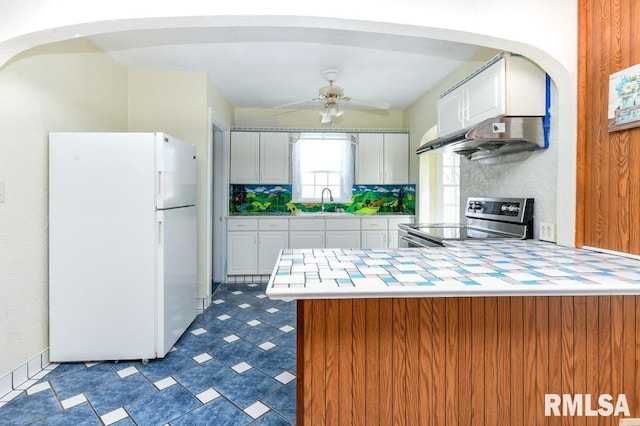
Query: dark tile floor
[235, 365]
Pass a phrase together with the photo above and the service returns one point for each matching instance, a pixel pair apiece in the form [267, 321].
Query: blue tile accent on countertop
[496, 267]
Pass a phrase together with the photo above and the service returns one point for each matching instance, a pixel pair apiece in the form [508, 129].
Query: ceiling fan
[332, 100]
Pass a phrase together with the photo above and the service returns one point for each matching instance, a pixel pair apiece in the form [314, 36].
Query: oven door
[408, 240]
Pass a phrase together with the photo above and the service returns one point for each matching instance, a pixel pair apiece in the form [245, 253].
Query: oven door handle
[410, 241]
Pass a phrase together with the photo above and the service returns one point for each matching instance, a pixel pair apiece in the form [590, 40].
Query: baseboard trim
[24, 376]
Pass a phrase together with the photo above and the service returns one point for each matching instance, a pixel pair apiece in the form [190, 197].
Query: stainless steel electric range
[485, 218]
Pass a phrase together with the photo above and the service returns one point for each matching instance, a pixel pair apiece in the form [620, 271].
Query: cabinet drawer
[374, 224]
[273, 224]
[249, 224]
[307, 225]
[343, 224]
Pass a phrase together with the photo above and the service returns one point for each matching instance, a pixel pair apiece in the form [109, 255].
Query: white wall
[66, 86]
[176, 102]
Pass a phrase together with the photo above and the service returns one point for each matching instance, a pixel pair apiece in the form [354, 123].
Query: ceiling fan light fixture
[330, 110]
[333, 110]
[326, 116]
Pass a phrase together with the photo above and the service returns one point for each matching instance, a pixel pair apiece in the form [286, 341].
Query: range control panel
[518, 210]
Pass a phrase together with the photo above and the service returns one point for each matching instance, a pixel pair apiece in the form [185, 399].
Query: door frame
[217, 199]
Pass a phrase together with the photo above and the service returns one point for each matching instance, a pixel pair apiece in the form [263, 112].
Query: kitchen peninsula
[473, 333]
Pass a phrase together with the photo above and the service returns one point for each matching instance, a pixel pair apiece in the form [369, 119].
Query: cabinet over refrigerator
[122, 244]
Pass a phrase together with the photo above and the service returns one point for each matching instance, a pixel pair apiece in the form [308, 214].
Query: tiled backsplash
[366, 199]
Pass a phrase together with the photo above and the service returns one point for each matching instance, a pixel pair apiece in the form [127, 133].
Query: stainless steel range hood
[492, 138]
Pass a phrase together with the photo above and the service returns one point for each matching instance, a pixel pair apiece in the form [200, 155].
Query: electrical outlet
[629, 422]
[547, 232]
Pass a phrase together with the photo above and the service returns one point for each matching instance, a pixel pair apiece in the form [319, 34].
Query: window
[323, 161]
[451, 187]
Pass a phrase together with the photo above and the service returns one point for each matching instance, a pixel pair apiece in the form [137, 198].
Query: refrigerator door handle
[160, 234]
[160, 186]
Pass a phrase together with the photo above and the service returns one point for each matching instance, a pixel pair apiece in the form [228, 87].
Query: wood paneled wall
[463, 361]
[608, 214]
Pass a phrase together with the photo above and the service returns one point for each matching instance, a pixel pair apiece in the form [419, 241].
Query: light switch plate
[2, 192]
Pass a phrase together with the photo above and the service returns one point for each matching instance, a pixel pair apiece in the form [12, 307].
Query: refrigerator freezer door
[176, 274]
[176, 168]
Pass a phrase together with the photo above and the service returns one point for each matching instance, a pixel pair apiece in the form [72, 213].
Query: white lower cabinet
[269, 246]
[375, 239]
[306, 233]
[393, 238]
[306, 239]
[375, 232]
[253, 244]
[342, 233]
[342, 239]
[273, 236]
[242, 253]
[393, 229]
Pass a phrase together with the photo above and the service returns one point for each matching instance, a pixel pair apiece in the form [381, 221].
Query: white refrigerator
[122, 245]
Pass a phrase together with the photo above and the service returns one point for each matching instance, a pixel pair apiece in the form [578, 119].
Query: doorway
[218, 199]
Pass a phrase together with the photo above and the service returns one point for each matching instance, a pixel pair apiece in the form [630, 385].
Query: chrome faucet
[322, 198]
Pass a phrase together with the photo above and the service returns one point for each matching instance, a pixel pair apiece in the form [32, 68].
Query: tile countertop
[463, 269]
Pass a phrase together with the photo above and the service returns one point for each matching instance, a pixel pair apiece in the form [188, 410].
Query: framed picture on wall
[624, 99]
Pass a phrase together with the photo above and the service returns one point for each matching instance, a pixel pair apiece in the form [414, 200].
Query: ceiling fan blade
[369, 104]
[307, 102]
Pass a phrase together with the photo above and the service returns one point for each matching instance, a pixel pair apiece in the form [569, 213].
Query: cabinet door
[242, 253]
[342, 239]
[396, 158]
[393, 238]
[374, 239]
[485, 94]
[450, 112]
[306, 239]
[274, 158]
[269, 246]
[370, 158]
[244, 160]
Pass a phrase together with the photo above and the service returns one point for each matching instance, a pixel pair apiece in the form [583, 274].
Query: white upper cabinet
[370, 166]
[383, 158]
[511, 86]
[245, 157]
[450, 112]
[274, 157]
[259, 157]
[396, 158]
